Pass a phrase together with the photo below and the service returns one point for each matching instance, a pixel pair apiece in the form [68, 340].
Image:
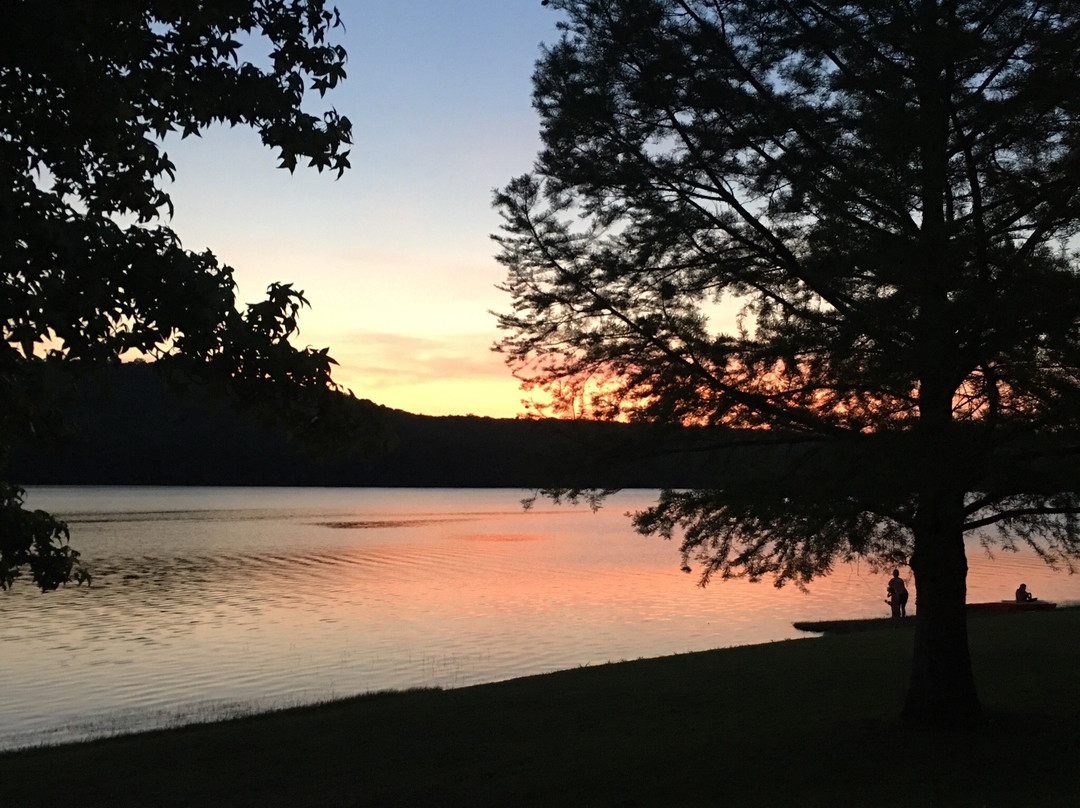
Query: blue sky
[395, 256]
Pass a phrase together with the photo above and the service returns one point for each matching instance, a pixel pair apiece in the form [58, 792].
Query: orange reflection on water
[265, 597]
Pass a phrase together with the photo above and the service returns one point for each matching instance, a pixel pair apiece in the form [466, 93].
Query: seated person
[1022, 595]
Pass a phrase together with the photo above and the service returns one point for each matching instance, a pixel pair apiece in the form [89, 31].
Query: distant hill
[131, 428]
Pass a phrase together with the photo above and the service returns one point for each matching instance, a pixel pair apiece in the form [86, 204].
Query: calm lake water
[210, 602]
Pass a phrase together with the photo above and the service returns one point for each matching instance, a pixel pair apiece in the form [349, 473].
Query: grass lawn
[801, 723]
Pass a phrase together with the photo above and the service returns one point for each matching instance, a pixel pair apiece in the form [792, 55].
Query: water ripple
[272, 598]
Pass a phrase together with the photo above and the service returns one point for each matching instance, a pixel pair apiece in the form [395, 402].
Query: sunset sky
[396, 256]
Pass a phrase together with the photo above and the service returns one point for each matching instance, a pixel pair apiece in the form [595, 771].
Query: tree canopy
[888, 191]
[90, 273]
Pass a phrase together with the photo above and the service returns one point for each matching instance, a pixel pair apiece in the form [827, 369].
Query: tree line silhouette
[128, 426]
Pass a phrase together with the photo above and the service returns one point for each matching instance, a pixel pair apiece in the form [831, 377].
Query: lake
[212, 602]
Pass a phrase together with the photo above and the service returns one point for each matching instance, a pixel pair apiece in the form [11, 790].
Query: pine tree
[888, 190]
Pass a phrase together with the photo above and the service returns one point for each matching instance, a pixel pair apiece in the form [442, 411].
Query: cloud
[404, 359]
[451, 375]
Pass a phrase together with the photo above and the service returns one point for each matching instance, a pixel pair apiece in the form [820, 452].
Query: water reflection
[211, 601]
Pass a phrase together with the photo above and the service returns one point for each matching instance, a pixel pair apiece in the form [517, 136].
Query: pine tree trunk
[942, 689]
[942, 692]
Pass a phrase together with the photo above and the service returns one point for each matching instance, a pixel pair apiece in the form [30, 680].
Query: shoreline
[224, 711]
[702, 728]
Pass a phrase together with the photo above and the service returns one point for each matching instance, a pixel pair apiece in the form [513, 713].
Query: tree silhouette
[887, 189]
[88, 92]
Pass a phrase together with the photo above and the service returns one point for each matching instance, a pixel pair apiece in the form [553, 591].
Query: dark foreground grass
[802, 723]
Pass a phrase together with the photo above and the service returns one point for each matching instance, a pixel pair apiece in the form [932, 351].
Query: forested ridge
[130, 427]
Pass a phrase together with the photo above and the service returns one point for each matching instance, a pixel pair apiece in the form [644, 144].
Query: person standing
[898, 595]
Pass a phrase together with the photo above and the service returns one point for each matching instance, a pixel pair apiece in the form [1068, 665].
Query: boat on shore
[858, 624]
[1012, 606]
[870, 623]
